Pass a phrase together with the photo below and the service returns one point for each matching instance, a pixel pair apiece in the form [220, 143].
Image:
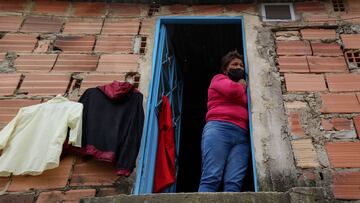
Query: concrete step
[244, 197]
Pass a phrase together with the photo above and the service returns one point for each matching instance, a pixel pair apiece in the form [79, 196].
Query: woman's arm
[227, 87]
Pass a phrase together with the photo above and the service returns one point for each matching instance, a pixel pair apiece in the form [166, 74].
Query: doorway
[187, 55]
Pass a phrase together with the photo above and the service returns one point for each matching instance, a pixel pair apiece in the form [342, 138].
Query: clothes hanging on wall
[165, 156]
[32, 141]
[113, 120]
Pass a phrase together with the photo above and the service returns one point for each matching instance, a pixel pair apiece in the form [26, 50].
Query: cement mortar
[274, 158]
[7, 66]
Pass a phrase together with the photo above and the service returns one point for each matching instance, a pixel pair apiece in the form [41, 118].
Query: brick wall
[58, 47]
[317, 58]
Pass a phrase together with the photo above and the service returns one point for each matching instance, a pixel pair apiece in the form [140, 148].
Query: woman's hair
[225, 60]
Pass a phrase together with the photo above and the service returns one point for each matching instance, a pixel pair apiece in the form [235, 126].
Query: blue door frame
[147, 154]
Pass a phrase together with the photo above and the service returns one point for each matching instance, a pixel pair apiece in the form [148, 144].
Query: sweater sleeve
[75, 124]
[227, 87]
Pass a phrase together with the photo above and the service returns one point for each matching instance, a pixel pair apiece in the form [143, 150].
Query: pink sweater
[227, 101]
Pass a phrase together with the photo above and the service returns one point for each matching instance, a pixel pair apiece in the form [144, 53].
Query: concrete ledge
[245, 197]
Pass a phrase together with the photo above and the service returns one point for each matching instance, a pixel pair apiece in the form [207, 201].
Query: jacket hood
[117, 90]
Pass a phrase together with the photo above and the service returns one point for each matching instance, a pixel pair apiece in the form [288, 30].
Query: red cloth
[165, 156]
[116, 90]
[227, 101]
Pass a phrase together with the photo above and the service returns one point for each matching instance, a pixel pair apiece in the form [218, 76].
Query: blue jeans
[225, 152]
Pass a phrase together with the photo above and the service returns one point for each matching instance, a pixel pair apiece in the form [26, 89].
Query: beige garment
[32, 142]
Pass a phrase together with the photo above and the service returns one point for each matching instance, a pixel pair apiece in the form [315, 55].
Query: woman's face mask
[235, 70]
[236, 74]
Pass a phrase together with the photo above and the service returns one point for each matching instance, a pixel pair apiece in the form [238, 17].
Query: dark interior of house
[198, 49]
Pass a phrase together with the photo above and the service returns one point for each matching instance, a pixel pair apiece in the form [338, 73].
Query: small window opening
[155, 7]
[338, 5]
[277, 12]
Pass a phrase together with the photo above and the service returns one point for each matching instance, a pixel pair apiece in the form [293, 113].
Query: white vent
[277, 12]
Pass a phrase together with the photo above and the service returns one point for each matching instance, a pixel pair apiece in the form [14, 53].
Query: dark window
[277, 12]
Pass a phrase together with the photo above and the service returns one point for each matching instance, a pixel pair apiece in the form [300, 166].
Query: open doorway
[198, 50]
[197, 46]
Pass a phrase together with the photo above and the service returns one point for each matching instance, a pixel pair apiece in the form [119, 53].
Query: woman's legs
[236, 166]
[215, 147]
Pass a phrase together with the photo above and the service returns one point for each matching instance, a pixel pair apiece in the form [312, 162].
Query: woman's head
[231, 60]
[233, 66]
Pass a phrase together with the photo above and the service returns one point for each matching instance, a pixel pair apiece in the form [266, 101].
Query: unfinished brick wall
[58, 47]
[318, 59]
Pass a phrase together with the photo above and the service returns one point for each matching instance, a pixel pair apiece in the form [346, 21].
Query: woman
[225, 142]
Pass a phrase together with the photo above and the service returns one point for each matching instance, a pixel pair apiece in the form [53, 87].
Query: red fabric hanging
[165, 156]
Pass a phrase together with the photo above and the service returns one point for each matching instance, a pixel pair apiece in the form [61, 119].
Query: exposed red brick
[304, 82]
[35, 62]
[10, 23]
[121, 26]
[344, 154]
[346, 185]
[68, 196]
[41, 24]
[8, 83]
[16, 198]
[311, 34]
[351, 41]
[125, 10]
[75, 43]
[2, 56]
[147, 27]
[356, 120]
[320, 19]
[341, 123]
[93, 80]
[295, 64]
[343, 82]
[43, 46]
[323, 49]
[176, 9]
[17, 42]
[353, 5]
[207, 9]
[118, 63]
[10, 107]
[305, 154]
[327, 64]
[295, 125]
[92, 172]
[339, 103]
[3, 181]
[358, 96]
[89, 9]
[51, 7]
[50, 179]
[109, 44]
[293, 48]
[351, 17]
[12, 6]
[45, 84]
[309, 176]
[309, 6]
[240, 7]
[76, 63]
[326, 124]
[83, 26]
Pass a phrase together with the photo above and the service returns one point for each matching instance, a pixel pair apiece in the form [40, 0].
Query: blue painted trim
[249, 109]
[143, 156]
